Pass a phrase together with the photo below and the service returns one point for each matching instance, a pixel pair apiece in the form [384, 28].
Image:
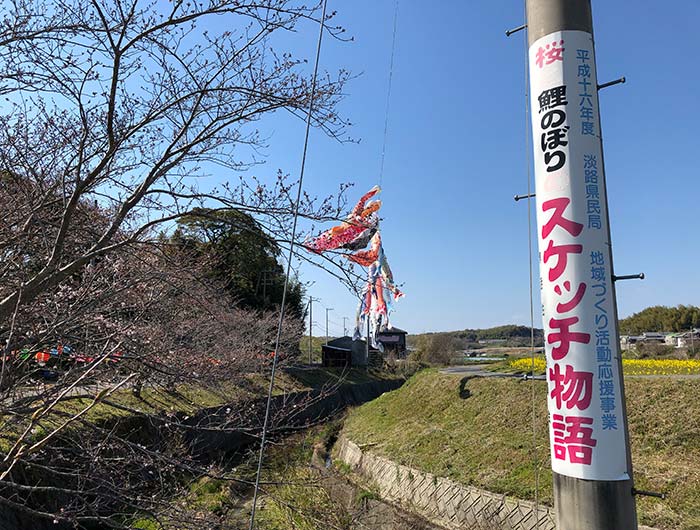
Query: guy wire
[528, 161]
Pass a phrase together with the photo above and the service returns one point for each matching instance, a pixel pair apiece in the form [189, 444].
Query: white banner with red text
[587, 434]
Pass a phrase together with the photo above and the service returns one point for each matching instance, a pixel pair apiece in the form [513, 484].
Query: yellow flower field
[661, 366]
[525, 364]
[630, 366]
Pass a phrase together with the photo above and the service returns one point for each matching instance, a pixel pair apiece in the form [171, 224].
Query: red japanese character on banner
[571, 304]
[550, 53]
[574, 389]
[558, 219]
[573, 438]
[565, 336]
[562, 252]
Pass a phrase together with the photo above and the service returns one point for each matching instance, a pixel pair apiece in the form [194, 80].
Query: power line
[388, 92]
[528, 159]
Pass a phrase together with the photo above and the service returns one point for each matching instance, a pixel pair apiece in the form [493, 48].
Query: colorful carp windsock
[367, 257]
[361, 227]
[376, 302]
[355, 232]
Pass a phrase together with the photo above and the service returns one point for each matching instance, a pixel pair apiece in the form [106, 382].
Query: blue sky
[456, 154]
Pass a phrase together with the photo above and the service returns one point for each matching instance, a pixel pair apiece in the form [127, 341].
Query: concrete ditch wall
[441, 500]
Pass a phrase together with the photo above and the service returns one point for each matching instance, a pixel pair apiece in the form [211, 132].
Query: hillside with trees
[661, 318]
[441, 347]
[511, 333]
[507, 335]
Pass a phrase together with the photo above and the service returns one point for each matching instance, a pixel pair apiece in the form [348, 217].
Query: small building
[344, 351]
[689, 339]
[394, 341]
[653, 336]
[627, 341]
[672, 339]
[648, 337]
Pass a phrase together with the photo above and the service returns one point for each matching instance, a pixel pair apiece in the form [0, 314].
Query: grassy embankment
[486, 440]
[185, 398]
[211, 496]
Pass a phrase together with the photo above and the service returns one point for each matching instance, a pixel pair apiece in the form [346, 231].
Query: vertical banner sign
[587, 435]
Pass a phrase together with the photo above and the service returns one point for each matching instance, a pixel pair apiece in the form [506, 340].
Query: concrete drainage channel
[208, 433]
[369, 512]
[440, 500]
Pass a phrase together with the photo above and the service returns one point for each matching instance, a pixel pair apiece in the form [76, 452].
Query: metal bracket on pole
[611, 83]
[639, 276]
[521, 197]
[635, 491]
[515, 30]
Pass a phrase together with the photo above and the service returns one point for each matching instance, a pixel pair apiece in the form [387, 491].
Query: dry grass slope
[486, 439]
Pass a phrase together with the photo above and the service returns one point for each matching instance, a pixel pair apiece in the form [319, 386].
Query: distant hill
[656, 318]
[508, 335]
[661, 318]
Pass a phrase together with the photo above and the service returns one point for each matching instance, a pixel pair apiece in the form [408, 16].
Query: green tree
[661, 318]
[240, 255]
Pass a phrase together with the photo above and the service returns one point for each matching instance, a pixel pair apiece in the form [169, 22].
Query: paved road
[50, 391]
[481, 370]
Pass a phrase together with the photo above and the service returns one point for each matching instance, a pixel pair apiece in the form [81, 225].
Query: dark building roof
[346, 343]
[341, 343]
[394, 331]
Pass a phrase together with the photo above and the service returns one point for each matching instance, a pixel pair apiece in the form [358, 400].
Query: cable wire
[388, 93]
[528, 161]
[289, 267]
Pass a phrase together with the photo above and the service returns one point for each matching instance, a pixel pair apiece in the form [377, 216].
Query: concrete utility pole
[692, 343]
[327, 309]
[367, 341]
[267, 280]
[345, 329]
[311, 326]
[591, 462]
